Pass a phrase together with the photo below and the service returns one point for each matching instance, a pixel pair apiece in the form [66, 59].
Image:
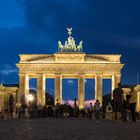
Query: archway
[69, 90]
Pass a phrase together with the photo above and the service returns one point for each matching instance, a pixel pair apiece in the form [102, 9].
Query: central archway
[69, 90]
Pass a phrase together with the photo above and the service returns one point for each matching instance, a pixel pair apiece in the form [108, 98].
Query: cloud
[115, 39]
[70, 82]
[11, 15]
[119, 40]
[51, 15]
[51, 91]
[8, 70]
[111, 28]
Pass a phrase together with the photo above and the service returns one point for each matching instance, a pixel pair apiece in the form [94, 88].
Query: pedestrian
[117, 101]
[61, 110]
[39, 110]
[11, 106]
[26, 112]
[132, 99]
[57, 108]
[97, 109]
[124, 109]
[91, 108]
[109, 111]
[76, 109]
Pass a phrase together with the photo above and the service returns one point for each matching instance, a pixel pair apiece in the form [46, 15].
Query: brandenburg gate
[69, 62]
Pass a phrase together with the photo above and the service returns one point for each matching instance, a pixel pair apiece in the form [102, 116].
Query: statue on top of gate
[70, 45]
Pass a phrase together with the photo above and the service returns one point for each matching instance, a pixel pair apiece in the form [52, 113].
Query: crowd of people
[59, 110]
[120, 108]
[124, 105]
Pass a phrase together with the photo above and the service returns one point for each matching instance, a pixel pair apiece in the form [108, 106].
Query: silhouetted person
[61, 111]
[97, 109]
[132, 102]
[124, 110]
[50, 111]
[57, 108]
[117, 101]
[11, 106]
[39, 110]
[91, 108]
[44, 111]
[76, 109]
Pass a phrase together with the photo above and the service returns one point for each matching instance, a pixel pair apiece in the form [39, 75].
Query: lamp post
[30, 97]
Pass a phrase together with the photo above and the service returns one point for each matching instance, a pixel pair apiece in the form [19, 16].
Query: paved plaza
[68, 129]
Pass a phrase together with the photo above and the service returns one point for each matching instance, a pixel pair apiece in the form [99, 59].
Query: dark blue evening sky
[35, 26]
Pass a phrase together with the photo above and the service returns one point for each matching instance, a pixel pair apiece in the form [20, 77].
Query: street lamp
[30, 97]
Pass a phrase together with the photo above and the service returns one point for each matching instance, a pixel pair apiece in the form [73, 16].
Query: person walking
[124, 109]
[117, 101]
[132, 99]
[91, 108]
[97, 109]
[57, 108]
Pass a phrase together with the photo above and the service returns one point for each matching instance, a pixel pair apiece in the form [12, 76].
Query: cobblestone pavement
[68, 129]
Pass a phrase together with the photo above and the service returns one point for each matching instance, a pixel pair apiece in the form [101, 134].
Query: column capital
[58, 75]
[40, 74]
[98, 75]
[23, 74]
[116, 75]
[81, 75]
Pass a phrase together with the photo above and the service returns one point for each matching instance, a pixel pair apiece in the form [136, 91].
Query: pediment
[69, 58]
[96, 58]
[35, 58]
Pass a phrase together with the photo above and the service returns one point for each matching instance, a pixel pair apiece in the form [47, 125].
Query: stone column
[81, 91]
[41, 83]
[115, 80]
[138, 102]
[23, 87]
[58, 88]
[1, 102]
[98, 88]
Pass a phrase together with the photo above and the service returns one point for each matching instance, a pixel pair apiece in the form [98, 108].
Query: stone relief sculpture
[79, 47]
[70, 45]
[60, 46]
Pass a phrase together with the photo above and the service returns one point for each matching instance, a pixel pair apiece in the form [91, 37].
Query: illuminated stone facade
[67, 65]
[69, 62]
[137, 89]
[5, 92]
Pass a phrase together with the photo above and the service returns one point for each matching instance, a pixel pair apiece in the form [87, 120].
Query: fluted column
[41, 83]
[58, 88]
[23, 87]
[115, 80]
[138, 102]
[98, 88]
[1, 102]
[81, 91]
